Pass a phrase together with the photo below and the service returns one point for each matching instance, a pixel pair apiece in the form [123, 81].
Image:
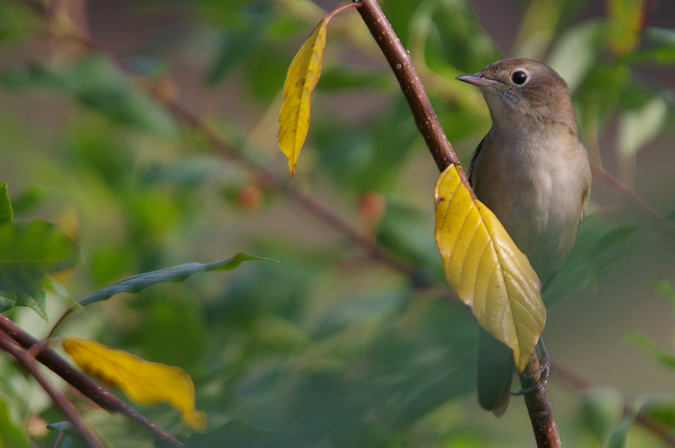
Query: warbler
[532, 171]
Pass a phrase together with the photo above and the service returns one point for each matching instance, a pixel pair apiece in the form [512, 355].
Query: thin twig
[86, 385]
[8, 344]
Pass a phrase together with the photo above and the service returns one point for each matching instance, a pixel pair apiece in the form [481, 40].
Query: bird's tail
[495, 374]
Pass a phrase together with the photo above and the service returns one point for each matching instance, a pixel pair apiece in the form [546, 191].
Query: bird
[532, 171]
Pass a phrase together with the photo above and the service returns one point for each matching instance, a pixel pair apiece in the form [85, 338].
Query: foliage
[333, 346]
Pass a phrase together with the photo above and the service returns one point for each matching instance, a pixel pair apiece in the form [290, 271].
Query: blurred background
[147, 132]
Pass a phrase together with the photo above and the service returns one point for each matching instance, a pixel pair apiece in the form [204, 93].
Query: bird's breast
[535, 188]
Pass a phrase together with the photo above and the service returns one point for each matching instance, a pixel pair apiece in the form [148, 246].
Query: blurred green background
[332, 347]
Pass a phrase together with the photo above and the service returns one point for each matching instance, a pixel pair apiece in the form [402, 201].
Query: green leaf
[661, 409]
[25, 200]
[6, 212]
[64, 425]
[98, 84]
[576, 52]
[619, 437]
[368, 160]
[235, 434]
[27, 253]
[602, 410]
[345, 76]
[639, 126]
[666, 290]
[171, 274]
[239, 43]
[663, 35]
[599, 246]
[16, 20]
[35, 299]
[12, 432]
[451, 35]
[658, 47]
[643, 341]
[434, 394]
[599, 93]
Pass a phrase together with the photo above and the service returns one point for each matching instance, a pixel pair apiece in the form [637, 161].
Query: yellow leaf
[143, 381]
[303, 75]
[486, 269]
[626, 21]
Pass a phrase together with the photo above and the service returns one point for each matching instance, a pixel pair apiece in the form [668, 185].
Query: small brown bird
[533, 173]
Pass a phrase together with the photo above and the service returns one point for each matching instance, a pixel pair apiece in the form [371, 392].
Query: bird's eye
[519, 77]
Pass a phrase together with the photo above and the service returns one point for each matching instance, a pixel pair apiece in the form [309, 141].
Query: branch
[401, 64]
[538, 404]
[27, 360]
[85, 384]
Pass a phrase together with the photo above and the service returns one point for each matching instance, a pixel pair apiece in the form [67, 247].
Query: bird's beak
[476, 79]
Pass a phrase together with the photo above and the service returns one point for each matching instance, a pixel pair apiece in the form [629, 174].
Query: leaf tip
[195, 419]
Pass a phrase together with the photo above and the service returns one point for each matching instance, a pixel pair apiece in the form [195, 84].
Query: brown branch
[539, 406]
[86, 385]
[401, 64]
[28, 362]
[538, 403]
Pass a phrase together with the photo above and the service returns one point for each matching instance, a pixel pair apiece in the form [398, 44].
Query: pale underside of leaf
[486, 269]
[174, 273]
[301, 79]
[143, 381]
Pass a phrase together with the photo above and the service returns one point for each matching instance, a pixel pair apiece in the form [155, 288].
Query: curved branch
[28, 362]
[86, 385]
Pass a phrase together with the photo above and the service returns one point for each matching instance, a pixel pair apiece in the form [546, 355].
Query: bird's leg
[540, 376]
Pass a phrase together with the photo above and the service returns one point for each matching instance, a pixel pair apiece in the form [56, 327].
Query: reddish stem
[86, 385]
[61, 401]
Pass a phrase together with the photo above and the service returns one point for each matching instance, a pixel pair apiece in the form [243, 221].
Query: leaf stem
[340, 9]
